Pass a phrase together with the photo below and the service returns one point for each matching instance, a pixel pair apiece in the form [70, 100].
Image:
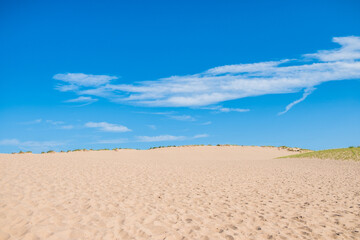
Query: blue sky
[91, 74]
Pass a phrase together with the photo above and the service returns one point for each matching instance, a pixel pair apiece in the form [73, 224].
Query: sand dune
[178, 193]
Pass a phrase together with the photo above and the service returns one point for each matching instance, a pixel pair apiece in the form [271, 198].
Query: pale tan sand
[178, 193]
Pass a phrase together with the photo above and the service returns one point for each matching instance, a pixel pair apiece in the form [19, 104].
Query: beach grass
[350, 153]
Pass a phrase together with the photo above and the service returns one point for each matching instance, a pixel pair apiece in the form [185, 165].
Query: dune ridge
[350, 153]
[232, 192]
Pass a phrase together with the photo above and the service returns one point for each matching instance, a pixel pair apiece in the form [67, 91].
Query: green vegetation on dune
[351, 153]
[196, 145]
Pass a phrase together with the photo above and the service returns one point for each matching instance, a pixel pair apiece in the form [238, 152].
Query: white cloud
[36, 121]
[350, 50]
[231, 82]
[159, 113]
[86, 80]
[201, 136]
[60, 124]
[107, 127]
[67, 127]
[66, 88]
[9, 142]
[171, 114]
[82, 99]
[41, 144]
[206, 123]
[54, 122]
[153, 127]
[160, 138]
[224, 109]
[245, 68]
[306, 93]
[36, 144]
[233, 110]
[182, 117]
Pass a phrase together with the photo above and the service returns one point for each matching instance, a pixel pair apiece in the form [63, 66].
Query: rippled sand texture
[178, 193]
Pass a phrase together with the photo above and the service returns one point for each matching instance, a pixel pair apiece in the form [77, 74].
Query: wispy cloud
[229, 82]
[159, 113]
[162, 138]
[67, 127]
[350, 50]
[219, 109]
[172, 115]
[36, 121]
[206, 123]
[41, 143]
[35, 144]
[72, 81]
[233, 109]
[306, 93]
[82, 99]
[57, 124]
[201, 136]
[182, 117]
[107, 127]
[54, 122]
[60, 124]
[9, 142]
[153, 127]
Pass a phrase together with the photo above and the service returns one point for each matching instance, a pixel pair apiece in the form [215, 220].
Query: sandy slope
[178, 193]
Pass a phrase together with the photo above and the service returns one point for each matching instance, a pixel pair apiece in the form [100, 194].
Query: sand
[178, 193]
